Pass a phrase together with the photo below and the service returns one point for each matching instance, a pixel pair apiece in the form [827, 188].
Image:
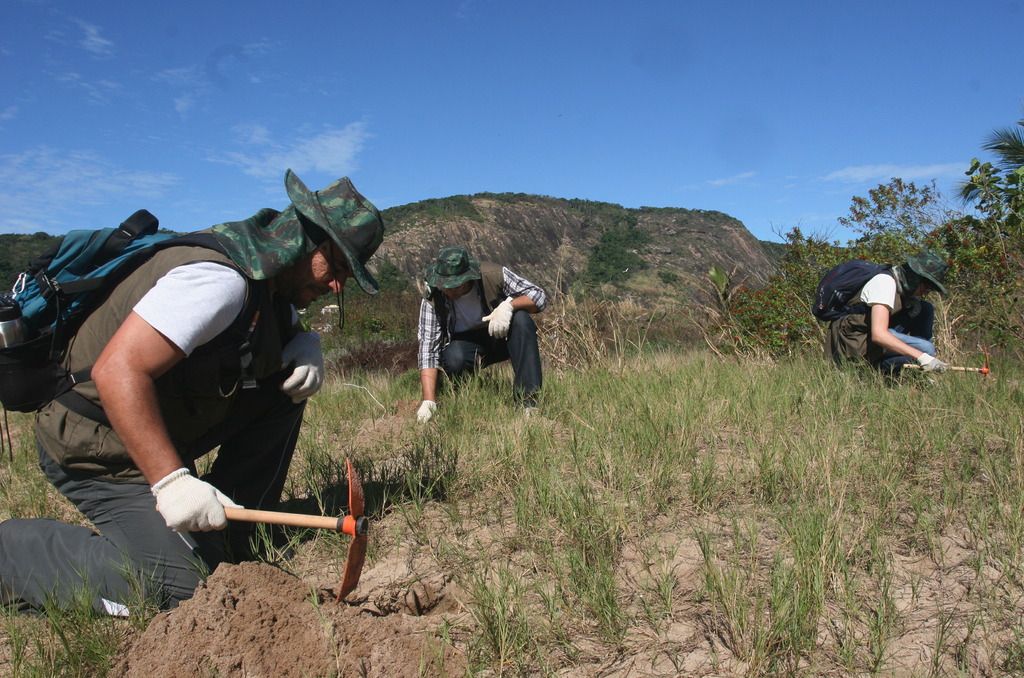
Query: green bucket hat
[351, 221]
[270, 241]
[931, 267]
[452, 268]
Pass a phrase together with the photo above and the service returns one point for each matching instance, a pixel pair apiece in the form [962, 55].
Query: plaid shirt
[430, 334]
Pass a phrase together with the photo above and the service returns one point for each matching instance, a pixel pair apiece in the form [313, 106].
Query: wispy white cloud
[184, 104]
[43, 188]
[334, 152]
[186, 76]
[97, 91]
[191, 85]
[718, 183]
[260, 47]
[189, 81]
[9, 113]
[735, 179]
[92, 41]
[465, 9]
[252, 134]
[858, 174]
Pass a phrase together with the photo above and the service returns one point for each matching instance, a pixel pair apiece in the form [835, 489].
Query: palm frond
[1008, 145]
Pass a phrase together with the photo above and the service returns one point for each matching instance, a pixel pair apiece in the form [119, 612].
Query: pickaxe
[983, 371]
[354, 524]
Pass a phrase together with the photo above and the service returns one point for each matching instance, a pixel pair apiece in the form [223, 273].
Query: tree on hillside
[896, 218]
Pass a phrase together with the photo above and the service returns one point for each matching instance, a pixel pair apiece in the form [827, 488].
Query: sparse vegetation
[763, 511]
[616, 254]
[751, 511]
[435, 208]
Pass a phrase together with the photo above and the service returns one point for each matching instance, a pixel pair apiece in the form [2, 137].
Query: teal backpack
[58, 291]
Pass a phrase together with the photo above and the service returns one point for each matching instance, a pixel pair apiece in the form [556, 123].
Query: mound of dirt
[255, 620]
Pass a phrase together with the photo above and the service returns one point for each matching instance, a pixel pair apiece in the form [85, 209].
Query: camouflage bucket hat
[350, 220]
[270, 241]
[931, 267]
[452, 268]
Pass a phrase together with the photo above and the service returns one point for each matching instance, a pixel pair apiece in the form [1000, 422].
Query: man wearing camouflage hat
[473, 315]
[198, 347]
[892, 324]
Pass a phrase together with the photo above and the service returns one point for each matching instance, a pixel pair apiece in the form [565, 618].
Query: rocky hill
[645, 252]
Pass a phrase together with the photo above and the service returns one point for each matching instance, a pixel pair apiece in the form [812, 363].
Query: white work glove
[930, 363]
[303, 351]
[190, 505]
[426, 411]
[499, 319]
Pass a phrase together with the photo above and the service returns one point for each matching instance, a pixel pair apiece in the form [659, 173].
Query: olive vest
[849, 337]
[492, 281]
[194, 396]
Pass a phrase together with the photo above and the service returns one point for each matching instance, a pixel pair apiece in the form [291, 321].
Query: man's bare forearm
[428, 383]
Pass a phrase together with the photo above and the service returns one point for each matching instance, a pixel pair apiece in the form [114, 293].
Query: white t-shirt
[880, 290]
[194, 303]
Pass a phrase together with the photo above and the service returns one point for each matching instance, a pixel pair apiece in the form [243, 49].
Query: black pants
[134, 553]
[468, 350]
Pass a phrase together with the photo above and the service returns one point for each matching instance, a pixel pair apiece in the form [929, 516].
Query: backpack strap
[79, 404]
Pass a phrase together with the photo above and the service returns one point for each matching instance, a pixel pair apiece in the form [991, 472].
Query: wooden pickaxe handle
[982, 370]
[279, 518]
[349, 525]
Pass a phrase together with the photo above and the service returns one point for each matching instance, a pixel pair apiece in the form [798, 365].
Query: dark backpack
[839, 284]
[58, 291]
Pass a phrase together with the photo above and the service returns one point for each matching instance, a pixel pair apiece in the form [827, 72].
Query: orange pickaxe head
[356, 525]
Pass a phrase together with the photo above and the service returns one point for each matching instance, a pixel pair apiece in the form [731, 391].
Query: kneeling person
[889, 324]
[197, 349]
[477, 314]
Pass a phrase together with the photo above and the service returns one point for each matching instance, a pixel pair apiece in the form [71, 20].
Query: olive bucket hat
[452, 268]
[931, 267]
[351, 221]
[270, 241]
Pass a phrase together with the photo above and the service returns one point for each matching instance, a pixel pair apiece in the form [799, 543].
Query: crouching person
[888, 323]
[198, 347]
[474, 315]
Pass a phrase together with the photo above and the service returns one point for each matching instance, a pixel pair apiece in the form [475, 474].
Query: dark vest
[489, 289]
[194, 396]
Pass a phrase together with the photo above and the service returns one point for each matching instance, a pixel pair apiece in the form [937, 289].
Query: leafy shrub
[615, 254]
[987, 253]
[896, 219]
[668, 277]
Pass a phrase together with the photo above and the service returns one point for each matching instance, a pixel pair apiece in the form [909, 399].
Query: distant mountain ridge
[555, 242]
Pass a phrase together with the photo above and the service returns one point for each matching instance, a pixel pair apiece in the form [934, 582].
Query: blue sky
[774, 112]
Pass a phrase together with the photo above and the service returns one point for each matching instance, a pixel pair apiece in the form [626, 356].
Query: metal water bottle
[12, 327]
